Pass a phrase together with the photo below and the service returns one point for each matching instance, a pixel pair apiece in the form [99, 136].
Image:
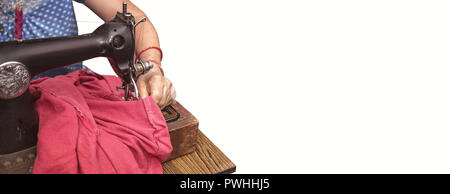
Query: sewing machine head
[115, 40]
[123, 50]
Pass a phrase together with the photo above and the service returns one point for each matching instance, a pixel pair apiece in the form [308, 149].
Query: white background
[319, 86]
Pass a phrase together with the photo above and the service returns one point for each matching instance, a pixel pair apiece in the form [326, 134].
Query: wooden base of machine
[206, 159]
[183, 131]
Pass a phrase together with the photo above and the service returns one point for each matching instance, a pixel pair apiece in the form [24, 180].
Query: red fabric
[85, 127]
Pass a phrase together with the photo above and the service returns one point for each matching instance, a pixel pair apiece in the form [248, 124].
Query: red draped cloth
[86, 127]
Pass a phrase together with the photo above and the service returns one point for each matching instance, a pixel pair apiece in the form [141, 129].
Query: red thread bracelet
[152, 47]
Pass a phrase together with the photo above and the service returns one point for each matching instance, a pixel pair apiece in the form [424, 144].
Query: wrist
[156, 69]
[154, 55]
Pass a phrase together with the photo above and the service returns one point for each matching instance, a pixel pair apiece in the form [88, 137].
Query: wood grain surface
[206, 159]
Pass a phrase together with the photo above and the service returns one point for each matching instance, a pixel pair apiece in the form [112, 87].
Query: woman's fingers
[156, 89]
[166, 97]
[159, 88]
[142, 88]
[173, 94]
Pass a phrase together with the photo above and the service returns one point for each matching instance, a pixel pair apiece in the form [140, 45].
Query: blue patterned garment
[41, 19]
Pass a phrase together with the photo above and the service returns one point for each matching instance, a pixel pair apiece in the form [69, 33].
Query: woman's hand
[154, 84]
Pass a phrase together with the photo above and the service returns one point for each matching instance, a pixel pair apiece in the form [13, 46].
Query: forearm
[146, 35]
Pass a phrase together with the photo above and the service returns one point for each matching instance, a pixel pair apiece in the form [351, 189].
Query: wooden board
[183, 132]
[206, 159]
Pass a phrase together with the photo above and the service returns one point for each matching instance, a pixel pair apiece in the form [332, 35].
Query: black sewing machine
[20, 61]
